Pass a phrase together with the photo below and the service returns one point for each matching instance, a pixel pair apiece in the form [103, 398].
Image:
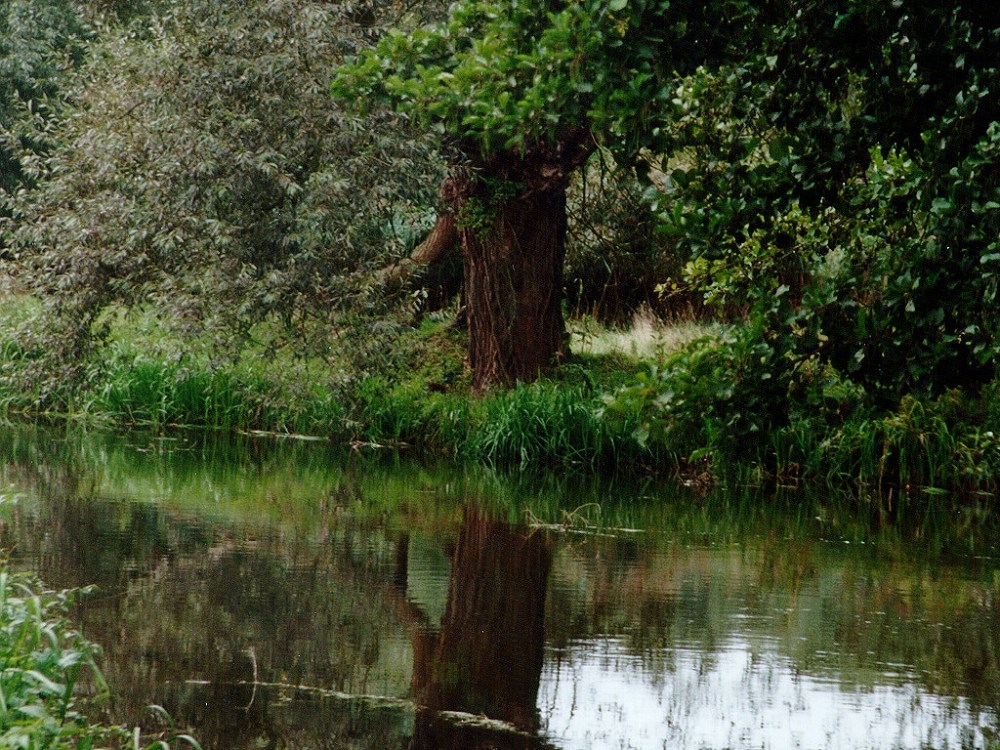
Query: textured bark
[513, 288]
[511, 212]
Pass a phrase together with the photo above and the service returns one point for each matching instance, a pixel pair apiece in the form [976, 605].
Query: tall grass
[548, 424]
[144, 390]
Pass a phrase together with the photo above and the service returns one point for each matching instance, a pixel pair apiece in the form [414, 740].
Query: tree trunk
[513, 283]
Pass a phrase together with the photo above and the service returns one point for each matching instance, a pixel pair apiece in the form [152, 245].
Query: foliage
[837, 186]
[245, 194]
[43, 660]
[515, 75]
[850, 163]
[718, 395]
[738, 406]
[40, 40]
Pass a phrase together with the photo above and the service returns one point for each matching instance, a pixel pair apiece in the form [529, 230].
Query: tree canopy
[203, 169]
[516, 75]
[40, 40]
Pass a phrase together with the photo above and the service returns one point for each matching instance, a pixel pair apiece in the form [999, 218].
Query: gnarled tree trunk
[513, 288]
[511, 213]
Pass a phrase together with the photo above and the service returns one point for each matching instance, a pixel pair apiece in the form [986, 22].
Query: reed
[548, 424]
[152, 391]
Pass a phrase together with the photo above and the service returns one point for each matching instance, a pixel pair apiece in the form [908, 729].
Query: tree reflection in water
[265, 603]
[486, 658]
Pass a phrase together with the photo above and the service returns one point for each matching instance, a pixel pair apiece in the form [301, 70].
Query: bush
[44, 658]
[247, 194]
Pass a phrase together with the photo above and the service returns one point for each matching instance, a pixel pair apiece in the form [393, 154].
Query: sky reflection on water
[322, 579]
[599, 695]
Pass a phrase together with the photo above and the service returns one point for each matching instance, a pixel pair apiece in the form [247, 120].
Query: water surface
[287, 595]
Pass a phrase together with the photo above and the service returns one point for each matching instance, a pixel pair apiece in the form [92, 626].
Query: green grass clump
[548, 424]
[140, 389]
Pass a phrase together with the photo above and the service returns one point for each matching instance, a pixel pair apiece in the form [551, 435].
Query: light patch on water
[595, 694]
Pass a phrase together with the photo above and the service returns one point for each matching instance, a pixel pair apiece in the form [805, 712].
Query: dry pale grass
[9, 286]
[646, 337]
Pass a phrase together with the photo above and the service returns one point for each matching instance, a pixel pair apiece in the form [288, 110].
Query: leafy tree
[850, 167]
[205, 170]
[839, 185]
[523, 93]
[39, 40]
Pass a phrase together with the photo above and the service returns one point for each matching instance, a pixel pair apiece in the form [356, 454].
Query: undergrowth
[726, 406]
[736, 406]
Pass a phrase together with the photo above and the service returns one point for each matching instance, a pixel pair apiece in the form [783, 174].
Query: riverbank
[144, 374]
[641, 397]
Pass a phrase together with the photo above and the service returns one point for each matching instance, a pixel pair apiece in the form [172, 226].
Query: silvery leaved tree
[202, 169]
[40, 41]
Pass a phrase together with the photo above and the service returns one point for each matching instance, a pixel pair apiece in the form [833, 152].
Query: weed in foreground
[43, 662]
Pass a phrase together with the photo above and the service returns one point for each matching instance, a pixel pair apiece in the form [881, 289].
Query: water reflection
[486, 657]
[287, 597]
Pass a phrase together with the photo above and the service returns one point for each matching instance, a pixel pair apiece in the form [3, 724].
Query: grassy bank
[145, 375]
[709, 410]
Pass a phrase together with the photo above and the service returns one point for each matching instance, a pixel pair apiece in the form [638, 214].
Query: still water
[285, 595]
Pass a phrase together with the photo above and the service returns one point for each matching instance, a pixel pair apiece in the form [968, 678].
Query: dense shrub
[839, 187]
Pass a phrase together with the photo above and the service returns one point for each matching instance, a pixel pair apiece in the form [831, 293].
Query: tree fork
[436, 246]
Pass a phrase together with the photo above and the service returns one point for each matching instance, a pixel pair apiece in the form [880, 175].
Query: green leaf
[940, 206]
[778, 149]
